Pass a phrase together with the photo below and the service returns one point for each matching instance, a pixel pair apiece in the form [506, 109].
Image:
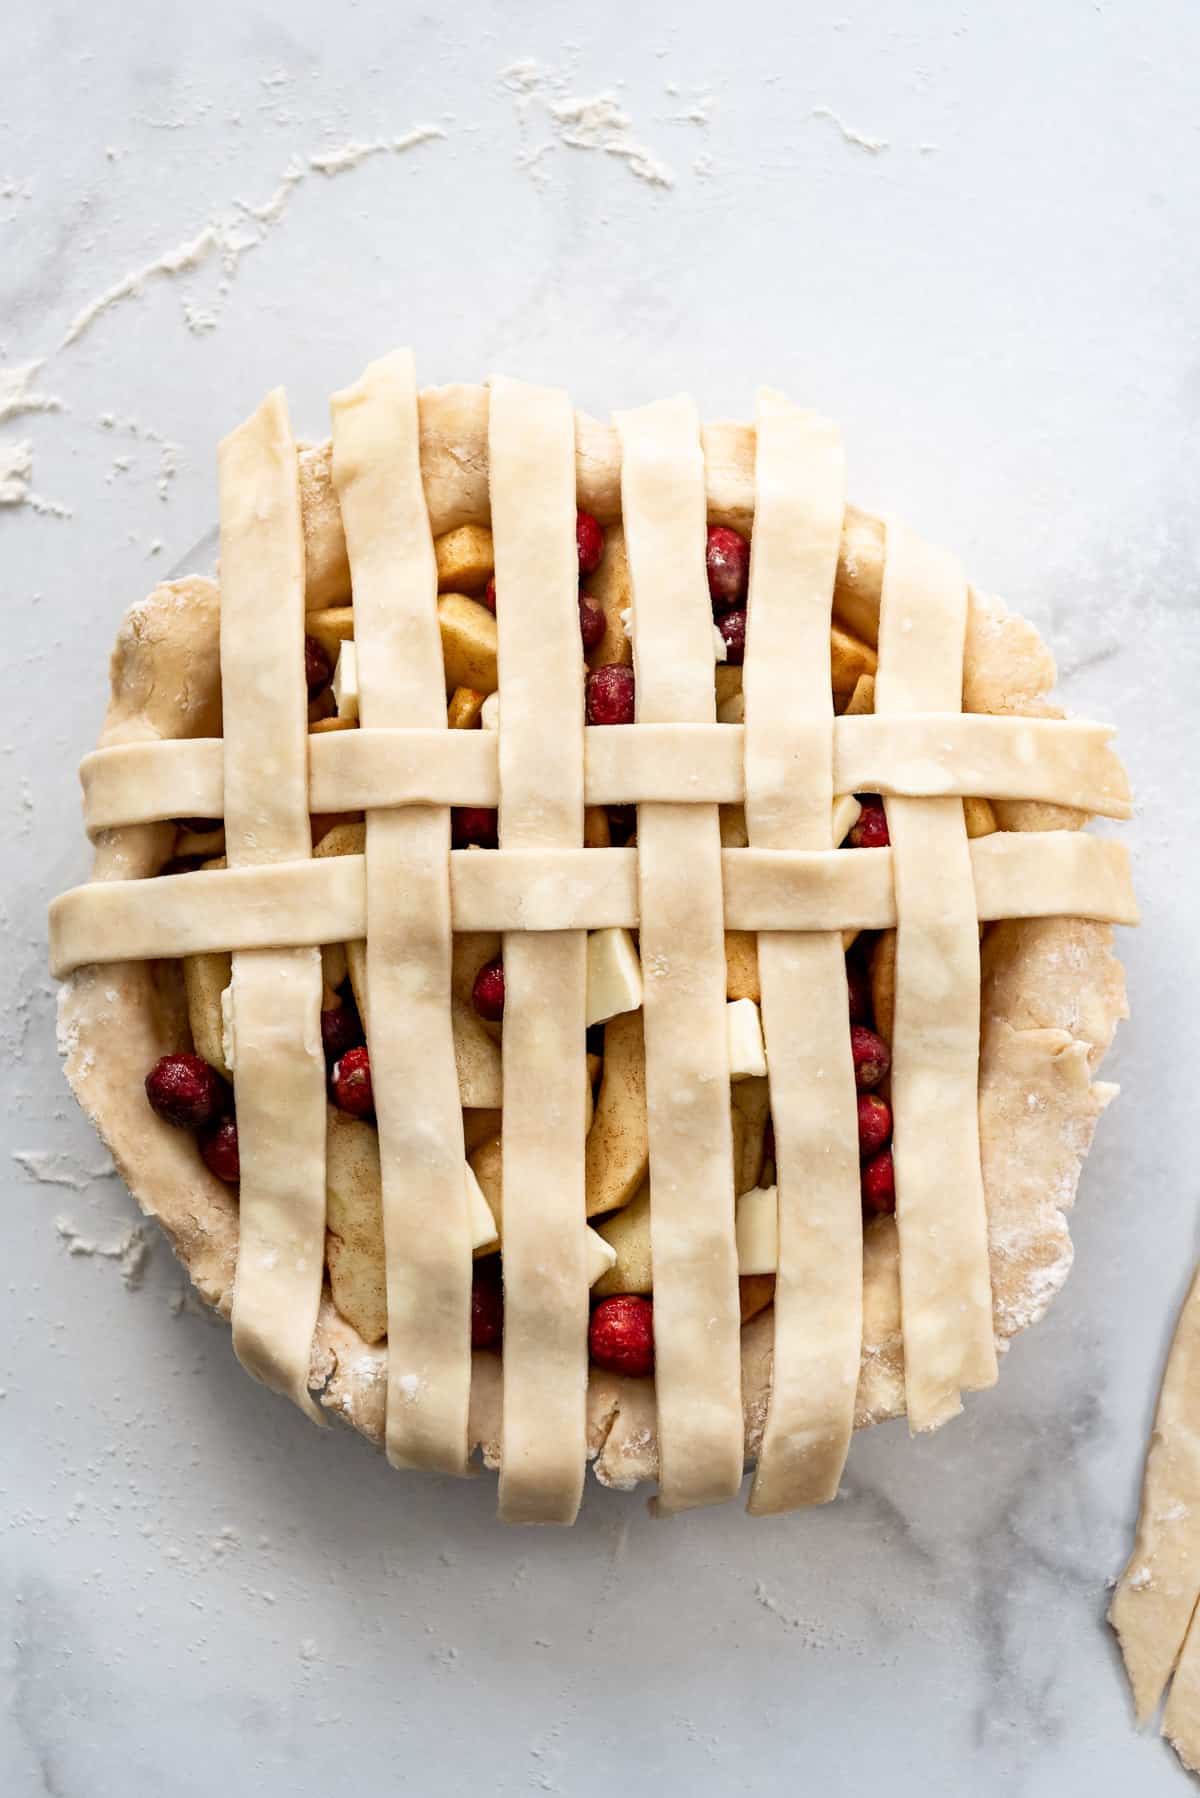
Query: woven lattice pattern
[543, 891]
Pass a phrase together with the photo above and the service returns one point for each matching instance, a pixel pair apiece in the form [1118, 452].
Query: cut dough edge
[1053, 993]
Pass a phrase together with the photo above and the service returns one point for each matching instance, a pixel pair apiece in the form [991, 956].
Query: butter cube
[600, 1256]
[756, 1226]
[747, 1055]
[345, 681]
[614, 975]
[483, 1225]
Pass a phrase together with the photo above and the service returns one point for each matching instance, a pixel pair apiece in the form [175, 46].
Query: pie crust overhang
[1046, 990]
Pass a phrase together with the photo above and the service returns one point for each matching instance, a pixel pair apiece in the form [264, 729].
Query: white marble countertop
[970, 235]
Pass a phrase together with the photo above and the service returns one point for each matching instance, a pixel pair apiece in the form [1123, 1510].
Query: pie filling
[704, 887]
[192, 1088]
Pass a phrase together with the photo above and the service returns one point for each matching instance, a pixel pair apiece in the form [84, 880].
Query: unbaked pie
[608, 819]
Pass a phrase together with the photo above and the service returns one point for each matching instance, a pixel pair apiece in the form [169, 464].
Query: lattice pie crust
[993, 1050]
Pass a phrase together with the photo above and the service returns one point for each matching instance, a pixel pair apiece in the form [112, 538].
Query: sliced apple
[205, 978]
[617, 1144]
[863, 697]
[464, 708]
[749, 1112]
[477, 1059]
[478, 1126]
[468, 643]
[979, 817]
[741, 965]
[883, 983]
[755, 1293]
[333, 965]
[728, 682]
[332, 627]
[486, 1165]
[610, 587]
[354, 1246]
[627, 1232]
[850, 659]
[354, 1225]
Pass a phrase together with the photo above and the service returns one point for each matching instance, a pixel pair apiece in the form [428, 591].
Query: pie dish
[725, 981]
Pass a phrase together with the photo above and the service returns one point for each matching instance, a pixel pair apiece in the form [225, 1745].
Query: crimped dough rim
[1053, 994]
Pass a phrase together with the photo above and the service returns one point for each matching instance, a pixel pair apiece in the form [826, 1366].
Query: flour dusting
[61, 1168]
[130, 1249]
[336, 162]
[16, 472]
[873, 144]
[18, 394]
[595, 122]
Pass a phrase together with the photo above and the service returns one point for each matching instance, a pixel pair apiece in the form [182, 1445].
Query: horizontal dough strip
[924, 755]
[1027, 874]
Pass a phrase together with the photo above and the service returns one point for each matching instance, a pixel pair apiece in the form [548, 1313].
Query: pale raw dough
[941, 1218]
[1153, 1609]
[801, 491]
[279, 1076]
[1053, 874]
[697, 1361]
[540, 741]
[426, 1226]
[115, 1019]
[1013, 760]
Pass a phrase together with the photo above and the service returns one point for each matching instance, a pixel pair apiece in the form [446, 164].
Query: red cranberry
[219, 1150]
[610, 695]
[317, 669]
[874, 1124]
[592, 622]
[199, 827]
[473, 826]
[184, 1090]
[728, 559]
[872, 1058]
[622, 822]
[489, 596]
[340, 1030]
[869, 830]
[589, 540]
[732, 626]
[487, 1309]
[858, 987]
[351, 1081]
[879, 1183]
[487, 994]
[621, 1335]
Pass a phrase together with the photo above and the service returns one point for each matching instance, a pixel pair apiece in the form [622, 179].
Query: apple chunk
[618, 1146]
[205, 978]
[628, 1232]
[354, 1225]
[354, 1245]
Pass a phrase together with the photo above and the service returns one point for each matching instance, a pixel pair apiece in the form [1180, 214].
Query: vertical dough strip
[696, 1311]
[945, 1275]
[279, 1072]
[800, 498]
[377, 474]
[532, 470]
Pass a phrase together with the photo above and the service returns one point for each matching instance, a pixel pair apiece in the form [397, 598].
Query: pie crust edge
[1053, 993]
